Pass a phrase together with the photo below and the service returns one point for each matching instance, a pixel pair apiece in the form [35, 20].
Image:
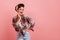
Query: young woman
[22, 23]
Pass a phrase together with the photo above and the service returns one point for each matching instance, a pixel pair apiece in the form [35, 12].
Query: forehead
[21, 8]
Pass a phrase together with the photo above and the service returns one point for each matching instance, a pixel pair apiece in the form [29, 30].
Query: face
[20, 10]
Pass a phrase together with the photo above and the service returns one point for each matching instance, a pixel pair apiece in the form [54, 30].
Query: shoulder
[25, 16]
[15, 17]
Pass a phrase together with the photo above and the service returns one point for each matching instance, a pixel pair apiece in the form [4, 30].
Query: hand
[28, 29]
[19, 18]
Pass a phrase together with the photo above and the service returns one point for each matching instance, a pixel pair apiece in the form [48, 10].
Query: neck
[19, 15]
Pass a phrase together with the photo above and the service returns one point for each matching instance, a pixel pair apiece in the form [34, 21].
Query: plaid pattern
[24, 23]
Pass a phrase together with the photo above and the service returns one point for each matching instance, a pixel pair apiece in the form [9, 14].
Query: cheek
[19, 11]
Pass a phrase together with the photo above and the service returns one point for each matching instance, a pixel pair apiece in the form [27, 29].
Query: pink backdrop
[46, 14]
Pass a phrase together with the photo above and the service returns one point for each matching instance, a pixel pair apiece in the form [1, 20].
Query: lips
[21, 12]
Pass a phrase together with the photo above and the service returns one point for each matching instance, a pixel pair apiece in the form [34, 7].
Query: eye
[21, 9]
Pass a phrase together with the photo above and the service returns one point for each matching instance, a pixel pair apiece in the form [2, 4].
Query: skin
[20, 12]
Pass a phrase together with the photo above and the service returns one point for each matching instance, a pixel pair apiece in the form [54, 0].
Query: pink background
[46, 14]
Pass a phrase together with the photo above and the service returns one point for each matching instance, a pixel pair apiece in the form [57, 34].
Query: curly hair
[18, 6]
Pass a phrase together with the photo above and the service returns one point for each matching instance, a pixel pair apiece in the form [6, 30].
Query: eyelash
[21, 9]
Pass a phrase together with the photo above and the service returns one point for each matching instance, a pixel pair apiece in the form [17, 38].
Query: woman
[22, 23]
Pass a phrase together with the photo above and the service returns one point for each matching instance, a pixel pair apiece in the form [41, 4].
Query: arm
[31, 23]
[14, 24]
[17, 27]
